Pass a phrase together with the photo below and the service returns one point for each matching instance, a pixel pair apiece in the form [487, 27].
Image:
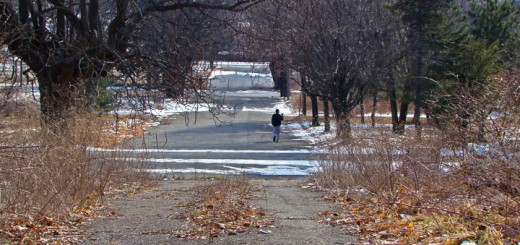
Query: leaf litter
[220, 208]
[46, 229]
[406, 220]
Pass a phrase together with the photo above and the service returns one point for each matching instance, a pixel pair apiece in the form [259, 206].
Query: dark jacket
[276, 120]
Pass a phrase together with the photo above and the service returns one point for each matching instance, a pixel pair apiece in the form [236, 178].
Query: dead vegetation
[49, 183]
[220, 208]
[408, 192]
[446, 188]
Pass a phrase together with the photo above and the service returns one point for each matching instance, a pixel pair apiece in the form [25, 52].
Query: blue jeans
[276, 133]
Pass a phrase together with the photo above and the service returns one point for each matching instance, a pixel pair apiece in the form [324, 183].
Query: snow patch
[211, 151]
[268, 171]
[281, 105]
[160, 110]
[300, 163]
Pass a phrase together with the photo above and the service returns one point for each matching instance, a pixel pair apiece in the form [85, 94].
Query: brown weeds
[220, 208]
[48, 180]
[403, 191]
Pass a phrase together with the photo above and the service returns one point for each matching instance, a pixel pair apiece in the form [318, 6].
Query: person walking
[276, 121]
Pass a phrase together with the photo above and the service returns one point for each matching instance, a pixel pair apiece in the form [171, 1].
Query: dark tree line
[65, 43]
[411, 52]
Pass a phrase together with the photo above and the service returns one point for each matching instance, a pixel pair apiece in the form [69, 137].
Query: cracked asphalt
[152, 216]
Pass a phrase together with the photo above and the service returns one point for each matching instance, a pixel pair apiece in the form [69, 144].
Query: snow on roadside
[158, 110]
[253, 93]
[267, 171]
[387, 115]
[303, 130]
[285, 108]
[282, 105]
[171, 107]
[207, 151]
[241, 162]
[221, 73]
[316, 136]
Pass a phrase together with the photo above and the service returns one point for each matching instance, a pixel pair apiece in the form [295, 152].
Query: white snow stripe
[267, 171]
[206, 151]
[309, 163]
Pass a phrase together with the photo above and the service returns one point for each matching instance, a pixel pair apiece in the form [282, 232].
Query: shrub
[47, 176]
[464, 179]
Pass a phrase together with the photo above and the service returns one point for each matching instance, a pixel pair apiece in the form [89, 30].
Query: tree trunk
[417, 114]
[284, 83]
[418, 96]
[417, 121]
[304, 103]
[326, 114]
[315, 115]
[374, 109]
[406, 98]
[393, 106]
[419, 53]
[274, 75]
[343, 122]
[402, 117]
[362, 110]
[58, 98]
[342, 112]
[304, 94]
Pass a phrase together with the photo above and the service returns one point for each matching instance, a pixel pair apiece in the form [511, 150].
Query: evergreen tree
[421, 18]
[464, 63]
[497, 23]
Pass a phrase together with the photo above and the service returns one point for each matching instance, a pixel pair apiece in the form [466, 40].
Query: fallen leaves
[44, 230]
[48, 221]
[218, 196]
[50, 228]
[221, 210]
[408, 221]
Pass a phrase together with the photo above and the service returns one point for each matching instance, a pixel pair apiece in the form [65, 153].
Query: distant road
[232, 76]
[244, 147]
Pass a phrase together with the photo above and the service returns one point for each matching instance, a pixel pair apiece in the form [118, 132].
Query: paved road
[153, 216]
[244, 147]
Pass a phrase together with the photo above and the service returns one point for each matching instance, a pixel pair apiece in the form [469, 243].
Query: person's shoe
[274, 138]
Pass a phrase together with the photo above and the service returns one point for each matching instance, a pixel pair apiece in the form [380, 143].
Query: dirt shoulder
[153, 217]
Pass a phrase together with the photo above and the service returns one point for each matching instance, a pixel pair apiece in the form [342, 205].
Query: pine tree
[464, 63]
[497, 23]
[421, 17]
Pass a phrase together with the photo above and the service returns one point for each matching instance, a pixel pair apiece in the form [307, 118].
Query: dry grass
[48, 180]
[399, 190]
[395, 189]
[220, 208]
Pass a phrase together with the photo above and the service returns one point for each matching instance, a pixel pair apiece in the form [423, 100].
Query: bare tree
[65, 42]
[332, 43]
[421, 17]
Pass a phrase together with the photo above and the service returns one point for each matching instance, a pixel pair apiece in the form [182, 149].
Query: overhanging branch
[239, 5]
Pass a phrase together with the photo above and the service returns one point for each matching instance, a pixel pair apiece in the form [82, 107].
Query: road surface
[198, 145]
